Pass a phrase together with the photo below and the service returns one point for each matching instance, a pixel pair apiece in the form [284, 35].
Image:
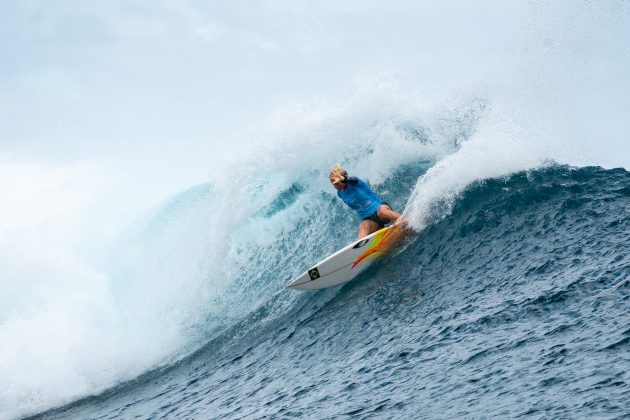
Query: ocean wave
[512, 266]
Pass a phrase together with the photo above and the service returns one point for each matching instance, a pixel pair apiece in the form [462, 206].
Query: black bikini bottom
[374, 217]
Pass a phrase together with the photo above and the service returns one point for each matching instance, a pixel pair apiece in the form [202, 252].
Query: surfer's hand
[334, 179]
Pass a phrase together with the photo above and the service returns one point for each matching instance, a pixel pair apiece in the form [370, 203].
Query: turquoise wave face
[514, 302]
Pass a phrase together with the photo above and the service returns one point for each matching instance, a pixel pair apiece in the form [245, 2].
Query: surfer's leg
[386, 213]
[366, 227]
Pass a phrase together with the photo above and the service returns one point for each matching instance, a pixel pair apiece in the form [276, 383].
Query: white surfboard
[347, 263]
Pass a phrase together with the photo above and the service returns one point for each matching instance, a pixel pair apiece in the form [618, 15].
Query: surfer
[358, 195]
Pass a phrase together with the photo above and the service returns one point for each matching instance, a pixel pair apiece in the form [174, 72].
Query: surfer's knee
[366, 227]
[386, 212]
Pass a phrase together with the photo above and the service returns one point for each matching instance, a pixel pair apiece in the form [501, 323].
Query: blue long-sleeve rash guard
[359, 197]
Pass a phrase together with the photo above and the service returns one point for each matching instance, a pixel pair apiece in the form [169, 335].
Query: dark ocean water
[514, 304]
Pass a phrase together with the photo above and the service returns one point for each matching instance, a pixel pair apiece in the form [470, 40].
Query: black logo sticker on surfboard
[313, 273]
[361, 243]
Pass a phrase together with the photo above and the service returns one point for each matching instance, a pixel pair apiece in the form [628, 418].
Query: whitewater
[510, 300]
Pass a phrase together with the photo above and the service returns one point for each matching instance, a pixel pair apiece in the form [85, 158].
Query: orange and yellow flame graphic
[381, 242]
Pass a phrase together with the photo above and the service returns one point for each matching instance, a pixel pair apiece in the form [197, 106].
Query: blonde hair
[338, 172]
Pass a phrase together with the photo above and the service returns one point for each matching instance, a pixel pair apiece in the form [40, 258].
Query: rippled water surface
[515, 304]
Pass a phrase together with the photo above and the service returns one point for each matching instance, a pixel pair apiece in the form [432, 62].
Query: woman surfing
[358, 195]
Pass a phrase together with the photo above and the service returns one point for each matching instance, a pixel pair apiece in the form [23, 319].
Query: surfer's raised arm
[358, 195]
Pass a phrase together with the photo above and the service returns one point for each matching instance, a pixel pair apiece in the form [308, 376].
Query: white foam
[69, 325]
[498, 148]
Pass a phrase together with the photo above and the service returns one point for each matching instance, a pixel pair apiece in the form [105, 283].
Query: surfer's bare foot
[401, 222]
